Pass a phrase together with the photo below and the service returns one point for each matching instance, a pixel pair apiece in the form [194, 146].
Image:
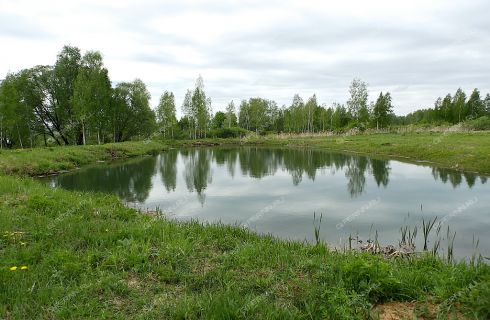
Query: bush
[233, 132]
[482, 123]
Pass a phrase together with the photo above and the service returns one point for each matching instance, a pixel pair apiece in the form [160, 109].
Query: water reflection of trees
[456, 178]
[168, 169]
[259, 162]
[197, 172]
[131, 181]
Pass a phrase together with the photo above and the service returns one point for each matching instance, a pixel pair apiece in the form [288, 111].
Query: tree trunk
[20, 139]
[83, 133]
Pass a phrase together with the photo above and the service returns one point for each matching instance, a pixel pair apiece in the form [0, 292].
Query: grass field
[87, 256]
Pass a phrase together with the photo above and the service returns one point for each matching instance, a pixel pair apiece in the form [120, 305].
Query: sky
[417, 50]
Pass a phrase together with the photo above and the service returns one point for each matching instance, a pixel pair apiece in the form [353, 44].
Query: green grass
[88, 256]
[39, 161]
[457, 150]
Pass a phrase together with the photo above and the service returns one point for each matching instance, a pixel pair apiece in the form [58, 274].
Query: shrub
[233, 132]
[482, 123]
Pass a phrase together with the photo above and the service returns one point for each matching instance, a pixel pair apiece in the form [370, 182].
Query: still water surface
[277, 191]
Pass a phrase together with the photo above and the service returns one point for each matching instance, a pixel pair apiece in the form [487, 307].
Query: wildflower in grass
[14, 268]
[23, 268]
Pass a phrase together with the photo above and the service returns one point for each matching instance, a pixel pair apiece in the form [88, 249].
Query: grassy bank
[55, 159]
[457, 150]
[461, 151]
[89, 256]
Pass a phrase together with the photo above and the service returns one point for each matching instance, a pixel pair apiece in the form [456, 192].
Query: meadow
[69, 254]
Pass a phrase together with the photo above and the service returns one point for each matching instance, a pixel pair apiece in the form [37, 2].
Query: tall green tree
[189, 114]
[131, 112]
[486, 102]
[310, 107]
[297, 118]
[62, 85]
[459, 106]
[447, 113]
[358, 100]
[258, 111]
[91, 96]
[383, 110]
[9, 116]
[340, 117]
[166, 114]
[475, 105]
[231, 119]
[202, 106]
[219, 120]
[244, 115]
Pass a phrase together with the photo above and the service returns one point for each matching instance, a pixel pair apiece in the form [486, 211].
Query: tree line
[453, 109]
[74, 102]
[261, 115]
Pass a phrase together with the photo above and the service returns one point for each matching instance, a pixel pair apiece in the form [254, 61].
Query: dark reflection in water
[279, 189]
[168, 169]
[132, 180]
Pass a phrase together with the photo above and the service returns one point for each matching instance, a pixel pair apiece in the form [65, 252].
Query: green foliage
[219, 120]
[358, 101]
[132, 115]
[482, 123]
[197, 111]
[233, 132]
[91, 96]
[166, 114]
[71, 102]
[382, 110]
[231, 118]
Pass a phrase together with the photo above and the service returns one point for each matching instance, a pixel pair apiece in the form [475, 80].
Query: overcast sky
[417, 50]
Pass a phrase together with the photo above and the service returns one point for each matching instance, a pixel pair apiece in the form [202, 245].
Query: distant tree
[219, 120]
[358, 102]
[244, 115]
[447, 113]
[297, 111]
[459, 106]
[475, 106]
[383, 110]
[190, 114]
[274, 117]
[202, 108]
[166, 118]
[340, 117]
[486, 102]
[310, 107]
[258, 112]
[231, 119]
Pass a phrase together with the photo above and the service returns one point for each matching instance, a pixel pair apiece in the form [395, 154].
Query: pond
[278, 191]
